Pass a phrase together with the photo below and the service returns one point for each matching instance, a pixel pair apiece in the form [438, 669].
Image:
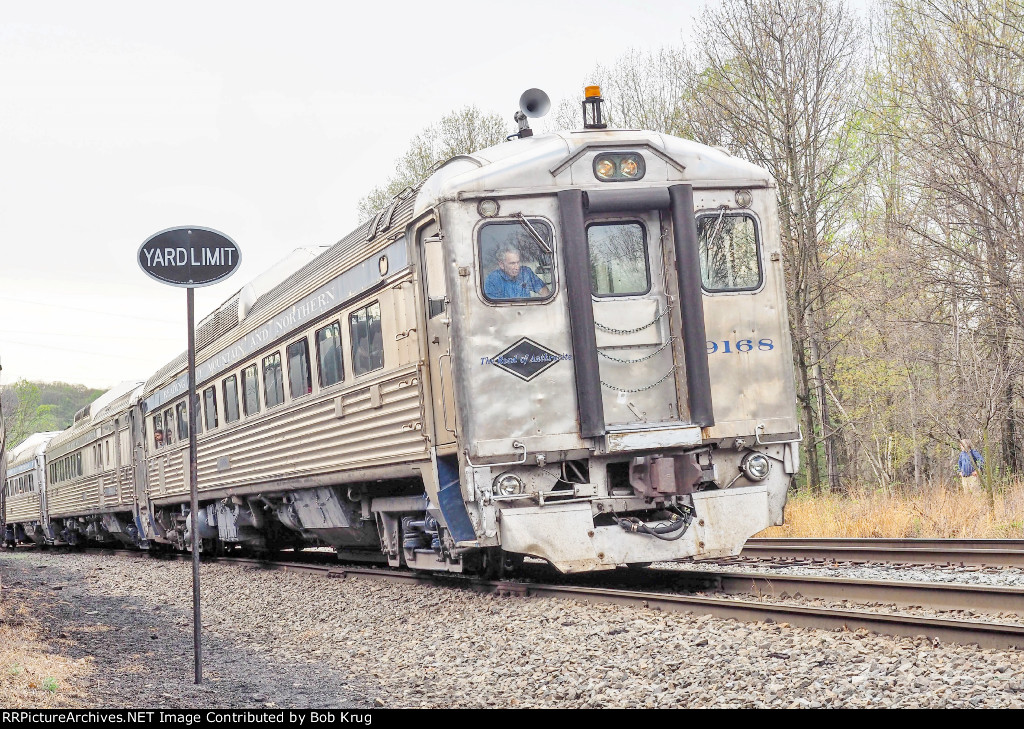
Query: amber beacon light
[592, 108]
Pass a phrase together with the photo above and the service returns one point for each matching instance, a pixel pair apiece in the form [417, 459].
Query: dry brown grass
[937, 512]
[34, 674]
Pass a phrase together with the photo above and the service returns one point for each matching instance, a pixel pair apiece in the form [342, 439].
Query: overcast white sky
[266, 121]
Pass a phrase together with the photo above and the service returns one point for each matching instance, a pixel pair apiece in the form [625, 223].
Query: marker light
[508, 484]
[487, 208]
[756, 466]
[744, 198]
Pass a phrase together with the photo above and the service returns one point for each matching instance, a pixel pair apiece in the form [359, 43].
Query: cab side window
[514, 265]
[729, 250]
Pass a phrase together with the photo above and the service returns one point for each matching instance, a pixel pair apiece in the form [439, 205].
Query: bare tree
[959, 67]
[460, 132]
[779, 83]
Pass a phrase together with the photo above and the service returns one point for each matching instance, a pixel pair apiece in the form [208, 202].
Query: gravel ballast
[284, 639]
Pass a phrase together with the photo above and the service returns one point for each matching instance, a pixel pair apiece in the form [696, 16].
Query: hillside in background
[31, 407]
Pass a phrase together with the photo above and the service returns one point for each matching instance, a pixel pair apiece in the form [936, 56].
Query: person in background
[969, 467]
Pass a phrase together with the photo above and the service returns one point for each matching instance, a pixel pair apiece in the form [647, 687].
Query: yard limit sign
[189, 257]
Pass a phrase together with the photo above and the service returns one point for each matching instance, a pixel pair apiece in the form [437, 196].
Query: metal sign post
[189, 257]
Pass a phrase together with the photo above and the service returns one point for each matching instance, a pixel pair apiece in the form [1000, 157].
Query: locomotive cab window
[618, 259]
[514, 265]
[330, 367]
[367, 341]
[730, 258]
[300, 381]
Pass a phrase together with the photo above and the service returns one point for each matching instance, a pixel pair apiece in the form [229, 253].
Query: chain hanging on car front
[641, 389]
[654, 321]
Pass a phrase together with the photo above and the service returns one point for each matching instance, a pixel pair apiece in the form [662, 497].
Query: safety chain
[601, 326]
[640, 389]
[642, 359]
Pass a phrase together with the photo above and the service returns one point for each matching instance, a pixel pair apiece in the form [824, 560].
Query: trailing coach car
[571, 346]
[24, 485]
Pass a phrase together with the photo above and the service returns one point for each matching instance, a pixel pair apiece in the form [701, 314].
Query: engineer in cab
[511, 280]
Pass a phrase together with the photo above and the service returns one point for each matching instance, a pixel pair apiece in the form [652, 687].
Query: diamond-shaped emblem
[526, 359]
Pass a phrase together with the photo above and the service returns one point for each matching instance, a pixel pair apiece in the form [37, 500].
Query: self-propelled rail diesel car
[570, 346]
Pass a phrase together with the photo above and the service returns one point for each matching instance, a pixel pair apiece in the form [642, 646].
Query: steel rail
[1006, 544]
[937, 595]
[986, 634]
[918, 552]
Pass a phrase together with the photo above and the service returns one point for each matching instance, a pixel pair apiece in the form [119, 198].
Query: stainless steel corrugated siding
[21, 508]
[306, 440]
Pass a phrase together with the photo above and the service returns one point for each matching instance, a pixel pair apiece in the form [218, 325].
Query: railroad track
[647, 589]
[974, 552]
[985, 633]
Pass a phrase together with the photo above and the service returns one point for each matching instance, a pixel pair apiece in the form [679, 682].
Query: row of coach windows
[170, 426]
[21, 485]
[66, 468]
[294, 373]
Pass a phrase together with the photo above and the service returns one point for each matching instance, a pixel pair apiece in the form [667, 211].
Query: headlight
[756, 466]
[506, 484]
[744, 198]
[619, 166]
[605, 168]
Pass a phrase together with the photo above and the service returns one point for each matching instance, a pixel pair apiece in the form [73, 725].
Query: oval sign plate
[189, 256]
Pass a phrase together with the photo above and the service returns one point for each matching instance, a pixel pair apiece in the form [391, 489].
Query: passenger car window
[168, 428]
[158, 430]
[618, 259]
[210, 401]
[514, 266]
[300, 381]
[231, 399]
[729, 252]
[273, 384]
[328, 351]
[367, 342]
[250, 390]
[182, 421]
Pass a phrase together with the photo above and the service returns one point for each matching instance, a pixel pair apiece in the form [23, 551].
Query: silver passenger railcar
[90, 478]
[24, 484]
[570, 346]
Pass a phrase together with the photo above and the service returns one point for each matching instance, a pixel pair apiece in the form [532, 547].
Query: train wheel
[496, 563]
